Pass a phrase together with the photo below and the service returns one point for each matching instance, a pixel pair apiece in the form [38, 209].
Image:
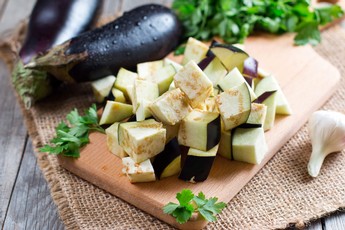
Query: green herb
[189, 203]
[69, 139]
[180, 50]
[235, 20]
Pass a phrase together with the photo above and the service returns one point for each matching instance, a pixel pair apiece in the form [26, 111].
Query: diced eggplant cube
[168, 161]
[143, 110]
[229, 55]
[118, 95]
[194, 83]
[125, 79]
[257, 114]
[263, 73]
[113, 142]
[211, 105]
[176, 65]
[249, 145]
[142, 140]
[172, 86]
[102, 87]
[269, 83]
[240, 46]
[198, 164]
[173, 168]
[250, 67]
[215, 71]
[171, 107]
[171, 131]
[200, 130]
[138, 172]
[144, 90]
[235, 78]
[234, 106]
[147, 69]
[270, 100]
[225, 144]
[114, 112]
[163, 78]
[195, 50]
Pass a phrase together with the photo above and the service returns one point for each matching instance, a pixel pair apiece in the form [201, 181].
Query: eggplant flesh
[146, 33]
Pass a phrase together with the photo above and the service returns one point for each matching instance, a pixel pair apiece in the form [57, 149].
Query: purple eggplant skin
[146, 33]
[54, 21]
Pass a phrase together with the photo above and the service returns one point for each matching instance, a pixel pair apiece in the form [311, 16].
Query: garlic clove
[327, 134]
[315, 163]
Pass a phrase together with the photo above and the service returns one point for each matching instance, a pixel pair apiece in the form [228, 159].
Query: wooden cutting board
[307, 81]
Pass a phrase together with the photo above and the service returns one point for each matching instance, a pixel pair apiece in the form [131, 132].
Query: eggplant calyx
[57, 62]
[31, 85]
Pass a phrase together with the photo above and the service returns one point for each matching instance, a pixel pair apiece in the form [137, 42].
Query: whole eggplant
[146, 33]
[51, 22]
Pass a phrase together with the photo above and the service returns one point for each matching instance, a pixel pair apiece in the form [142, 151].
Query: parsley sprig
[234, 20]
[69, 139]
[189, 203]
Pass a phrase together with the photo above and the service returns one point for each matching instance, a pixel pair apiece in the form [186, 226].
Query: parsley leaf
[185, 197]
[69, 139]
[208, 208]
[182, 212]
[233, 21]
[189, 203]
[308, 33]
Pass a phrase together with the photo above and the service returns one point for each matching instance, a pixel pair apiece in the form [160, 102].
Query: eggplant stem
[31, 85]
[57, 62]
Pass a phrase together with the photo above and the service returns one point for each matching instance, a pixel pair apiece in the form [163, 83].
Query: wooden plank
[305, 88]
[335, 222]
[14, 14]
[317, 225]
[111, 7]
[31, 206]
[12, 140]
[3, 4]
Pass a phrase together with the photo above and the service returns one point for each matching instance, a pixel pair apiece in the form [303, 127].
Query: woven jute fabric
[282, 194]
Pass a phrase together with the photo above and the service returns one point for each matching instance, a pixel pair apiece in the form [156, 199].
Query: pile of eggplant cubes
[217, 101]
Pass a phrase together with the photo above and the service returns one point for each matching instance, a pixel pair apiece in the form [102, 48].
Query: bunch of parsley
[189, 203]
[235, 20]
[69, 139]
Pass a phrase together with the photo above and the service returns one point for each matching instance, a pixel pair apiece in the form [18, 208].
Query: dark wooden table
[25, 200]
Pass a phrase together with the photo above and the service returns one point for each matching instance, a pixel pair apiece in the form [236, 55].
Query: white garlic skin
[327, 134]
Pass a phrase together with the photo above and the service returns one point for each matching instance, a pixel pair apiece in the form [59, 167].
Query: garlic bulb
[327, 133]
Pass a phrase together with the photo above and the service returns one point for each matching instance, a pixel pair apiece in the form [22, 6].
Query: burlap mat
[280, 195]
